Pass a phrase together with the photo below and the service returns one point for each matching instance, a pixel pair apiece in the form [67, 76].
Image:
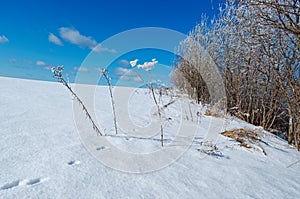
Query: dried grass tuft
[246, 137]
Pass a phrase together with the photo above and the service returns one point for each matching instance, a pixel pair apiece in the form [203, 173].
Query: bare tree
[187, 69]
[283, 17]
[255, 43]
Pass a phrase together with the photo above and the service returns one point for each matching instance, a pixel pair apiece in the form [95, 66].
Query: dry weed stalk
[57, 73]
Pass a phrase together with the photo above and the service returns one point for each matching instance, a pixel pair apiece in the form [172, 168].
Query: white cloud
[28, 62]
[99, 70]
[75, 37]
[100, 48]
[134, 62]
[147, 66]
[137, 79]
[81, 69]
[40, 63]
[125, 78]
[3, 39]
[13, 60]
[54, 39]
[124, 71]
[124, 62]
[47, 68]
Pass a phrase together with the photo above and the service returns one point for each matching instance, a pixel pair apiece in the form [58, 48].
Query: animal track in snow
[73, 162]
[100, 148]
[28, 182]
[34, 181]
[10, 185]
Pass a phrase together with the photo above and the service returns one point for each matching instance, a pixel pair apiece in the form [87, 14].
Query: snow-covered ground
[44, 155]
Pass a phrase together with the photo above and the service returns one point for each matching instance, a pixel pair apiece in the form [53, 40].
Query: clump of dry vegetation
[209, 148]
[246, 137]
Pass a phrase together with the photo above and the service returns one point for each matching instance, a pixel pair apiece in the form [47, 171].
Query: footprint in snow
[10, 185]
[74, 162]
[100, 148]
[28, 182]
[34, 181]
[129, 139]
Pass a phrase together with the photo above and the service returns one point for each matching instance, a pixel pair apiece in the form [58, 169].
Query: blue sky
[36, 35]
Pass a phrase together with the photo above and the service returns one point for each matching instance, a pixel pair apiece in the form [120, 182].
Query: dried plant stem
[293, 164]
[83, 106]
[112, 101]
[159, 114]
[157, 105]
[190, 110]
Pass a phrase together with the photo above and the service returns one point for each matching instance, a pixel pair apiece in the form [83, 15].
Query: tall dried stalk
[159, 114]
[105, 75]
[158, 110]
[58, 74]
